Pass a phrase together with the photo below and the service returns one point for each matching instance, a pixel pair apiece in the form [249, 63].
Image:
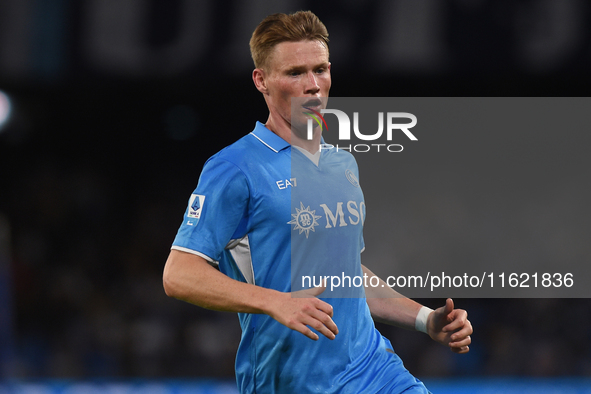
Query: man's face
[297, 69]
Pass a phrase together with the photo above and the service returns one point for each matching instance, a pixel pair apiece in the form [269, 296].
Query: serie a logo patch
[195, 205]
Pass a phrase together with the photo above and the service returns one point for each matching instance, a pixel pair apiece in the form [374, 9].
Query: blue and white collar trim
[268, 138]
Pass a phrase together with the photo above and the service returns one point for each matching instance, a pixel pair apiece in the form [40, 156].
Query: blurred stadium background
[113, 106]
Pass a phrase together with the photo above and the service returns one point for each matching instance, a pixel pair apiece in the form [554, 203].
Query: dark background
[117, 105]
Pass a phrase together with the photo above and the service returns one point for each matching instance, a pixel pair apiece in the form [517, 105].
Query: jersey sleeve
[216, 211]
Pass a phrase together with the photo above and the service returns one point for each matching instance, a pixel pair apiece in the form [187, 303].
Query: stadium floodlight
[5, 109]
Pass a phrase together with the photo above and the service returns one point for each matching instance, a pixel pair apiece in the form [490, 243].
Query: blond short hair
[277, 28]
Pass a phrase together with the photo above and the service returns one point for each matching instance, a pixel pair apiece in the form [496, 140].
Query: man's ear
[259, 79]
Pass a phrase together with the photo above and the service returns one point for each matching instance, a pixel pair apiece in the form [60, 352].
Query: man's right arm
[191, 278]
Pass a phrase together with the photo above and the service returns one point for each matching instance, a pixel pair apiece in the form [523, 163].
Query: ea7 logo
[345, 125]
[284, 184]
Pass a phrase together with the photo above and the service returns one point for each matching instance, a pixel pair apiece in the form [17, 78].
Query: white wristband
[421, 320]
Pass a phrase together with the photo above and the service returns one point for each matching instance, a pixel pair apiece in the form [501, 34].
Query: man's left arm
[445, 325]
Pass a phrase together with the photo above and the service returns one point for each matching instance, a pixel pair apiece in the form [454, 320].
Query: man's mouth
[313, 104]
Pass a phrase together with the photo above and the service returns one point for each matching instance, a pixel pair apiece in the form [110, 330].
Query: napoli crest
[352, 178]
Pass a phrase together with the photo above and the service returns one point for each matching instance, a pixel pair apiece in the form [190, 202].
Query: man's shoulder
[236, 151]
[260, 144]
[248, 154]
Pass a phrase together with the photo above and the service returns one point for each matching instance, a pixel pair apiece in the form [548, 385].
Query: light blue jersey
[327, 215]
[253, 215]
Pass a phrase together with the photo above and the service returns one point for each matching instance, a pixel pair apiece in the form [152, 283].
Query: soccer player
[250, 216]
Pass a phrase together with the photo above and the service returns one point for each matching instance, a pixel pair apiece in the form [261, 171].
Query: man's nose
[312, 83]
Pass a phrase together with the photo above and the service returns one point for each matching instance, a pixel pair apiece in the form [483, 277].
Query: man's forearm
[390, 307]
[190, 278]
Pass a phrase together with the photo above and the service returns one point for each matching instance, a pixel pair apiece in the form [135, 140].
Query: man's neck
[283, 130]
[311, 146]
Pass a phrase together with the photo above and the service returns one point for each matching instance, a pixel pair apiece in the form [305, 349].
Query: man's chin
[299, 132]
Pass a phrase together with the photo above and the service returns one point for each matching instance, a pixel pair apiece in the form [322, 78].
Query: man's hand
[190, 278]
[450, 327]
[301, 310]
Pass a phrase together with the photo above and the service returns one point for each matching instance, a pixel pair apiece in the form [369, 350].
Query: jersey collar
[268, 138]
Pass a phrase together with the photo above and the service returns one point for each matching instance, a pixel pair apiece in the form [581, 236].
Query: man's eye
[320, 71]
